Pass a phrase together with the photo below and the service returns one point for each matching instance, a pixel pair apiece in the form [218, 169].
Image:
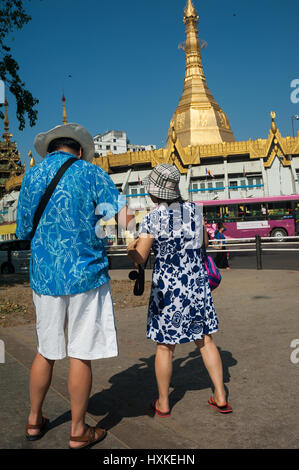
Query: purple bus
[245, 218]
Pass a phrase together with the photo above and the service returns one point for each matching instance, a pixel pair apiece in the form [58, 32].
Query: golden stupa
[198, 118]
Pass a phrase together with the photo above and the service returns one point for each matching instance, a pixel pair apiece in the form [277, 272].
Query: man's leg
[40, 380]
[79, 385]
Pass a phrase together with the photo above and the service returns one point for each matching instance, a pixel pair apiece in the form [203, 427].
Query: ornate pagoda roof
[10, 162]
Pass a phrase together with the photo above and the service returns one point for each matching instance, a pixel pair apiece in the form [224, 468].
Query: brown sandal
[89, 438]
[41, 427]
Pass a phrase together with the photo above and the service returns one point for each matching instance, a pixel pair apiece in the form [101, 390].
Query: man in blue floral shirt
[69, 271]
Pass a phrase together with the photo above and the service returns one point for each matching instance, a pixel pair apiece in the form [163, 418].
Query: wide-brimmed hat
[72, 131]
[163, 182]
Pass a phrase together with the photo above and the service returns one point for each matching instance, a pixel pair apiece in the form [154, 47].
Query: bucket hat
[72, 131]
[163, 182]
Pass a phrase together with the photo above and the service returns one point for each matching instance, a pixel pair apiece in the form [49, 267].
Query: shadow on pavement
[133, 390]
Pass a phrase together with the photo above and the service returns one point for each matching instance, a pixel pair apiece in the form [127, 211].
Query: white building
[117, 142]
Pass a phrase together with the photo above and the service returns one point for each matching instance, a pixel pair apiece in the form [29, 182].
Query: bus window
[255, 212]
[232, 213]
[279, 210]
[212, 214]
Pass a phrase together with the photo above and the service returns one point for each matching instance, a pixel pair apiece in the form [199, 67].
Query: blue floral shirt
[68, 255]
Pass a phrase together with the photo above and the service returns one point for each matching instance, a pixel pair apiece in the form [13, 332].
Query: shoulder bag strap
[48, 193]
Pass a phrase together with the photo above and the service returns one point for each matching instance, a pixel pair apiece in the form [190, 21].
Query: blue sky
[127, 72]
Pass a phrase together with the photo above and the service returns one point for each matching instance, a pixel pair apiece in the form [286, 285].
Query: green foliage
[13, 16]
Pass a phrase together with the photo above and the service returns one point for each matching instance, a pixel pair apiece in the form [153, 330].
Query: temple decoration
[11, 168]
[32, 161]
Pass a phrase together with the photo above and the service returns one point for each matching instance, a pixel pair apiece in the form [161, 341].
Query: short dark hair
[57, 144]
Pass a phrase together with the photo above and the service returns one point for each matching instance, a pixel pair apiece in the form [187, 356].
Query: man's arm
[124, 218]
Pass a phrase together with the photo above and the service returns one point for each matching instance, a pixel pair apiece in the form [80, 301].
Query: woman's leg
[163, 369]
[212, 361]
[40, 380]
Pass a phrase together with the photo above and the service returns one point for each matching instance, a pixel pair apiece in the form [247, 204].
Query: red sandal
[222, 409]
[158, 412]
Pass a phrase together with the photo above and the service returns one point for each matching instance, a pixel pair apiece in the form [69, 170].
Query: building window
[134, 190]
[219, 185]
[107, 147]
[114, 148]
[233, 185]
[254, 180]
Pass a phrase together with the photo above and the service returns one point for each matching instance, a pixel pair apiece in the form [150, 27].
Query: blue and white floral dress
[181, 307]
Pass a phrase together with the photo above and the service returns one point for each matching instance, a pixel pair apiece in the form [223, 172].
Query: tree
[13, 16]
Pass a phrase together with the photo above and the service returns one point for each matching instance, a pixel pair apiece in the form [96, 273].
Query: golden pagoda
[198, 119]
[11, 168]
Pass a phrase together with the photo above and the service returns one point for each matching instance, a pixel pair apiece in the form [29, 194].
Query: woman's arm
[140, 248]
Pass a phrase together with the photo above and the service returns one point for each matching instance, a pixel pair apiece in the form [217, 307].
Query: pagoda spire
[6, 136]
[190, 10]
[63, 110]
[198, 118]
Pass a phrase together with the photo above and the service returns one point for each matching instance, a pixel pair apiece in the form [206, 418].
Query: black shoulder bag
[48, 193]
[138, 277]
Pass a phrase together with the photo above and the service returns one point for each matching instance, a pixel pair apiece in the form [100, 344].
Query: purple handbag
[213, 273]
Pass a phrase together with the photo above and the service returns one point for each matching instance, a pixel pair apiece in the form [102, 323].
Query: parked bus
[245, 218]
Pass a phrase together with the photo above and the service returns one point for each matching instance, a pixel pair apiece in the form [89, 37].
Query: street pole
[258, 252]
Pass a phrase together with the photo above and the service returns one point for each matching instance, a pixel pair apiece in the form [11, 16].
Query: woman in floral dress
[181, 307]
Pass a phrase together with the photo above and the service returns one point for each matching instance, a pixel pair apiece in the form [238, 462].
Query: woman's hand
[132, 245]
[139, 249]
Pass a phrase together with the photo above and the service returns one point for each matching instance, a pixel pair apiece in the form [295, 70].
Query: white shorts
[90, 320]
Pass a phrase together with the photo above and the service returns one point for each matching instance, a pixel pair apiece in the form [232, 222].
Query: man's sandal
[92, 436]
[41, 427]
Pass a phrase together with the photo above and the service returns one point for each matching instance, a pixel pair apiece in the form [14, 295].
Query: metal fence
[258, 245]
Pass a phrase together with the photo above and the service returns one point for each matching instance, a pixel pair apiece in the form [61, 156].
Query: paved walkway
[258, 313]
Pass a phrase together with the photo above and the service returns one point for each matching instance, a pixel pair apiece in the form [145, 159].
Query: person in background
[221, 257]
[181, 308]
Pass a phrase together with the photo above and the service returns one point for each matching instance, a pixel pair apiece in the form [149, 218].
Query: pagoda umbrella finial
[190, 10]
[63, 110]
